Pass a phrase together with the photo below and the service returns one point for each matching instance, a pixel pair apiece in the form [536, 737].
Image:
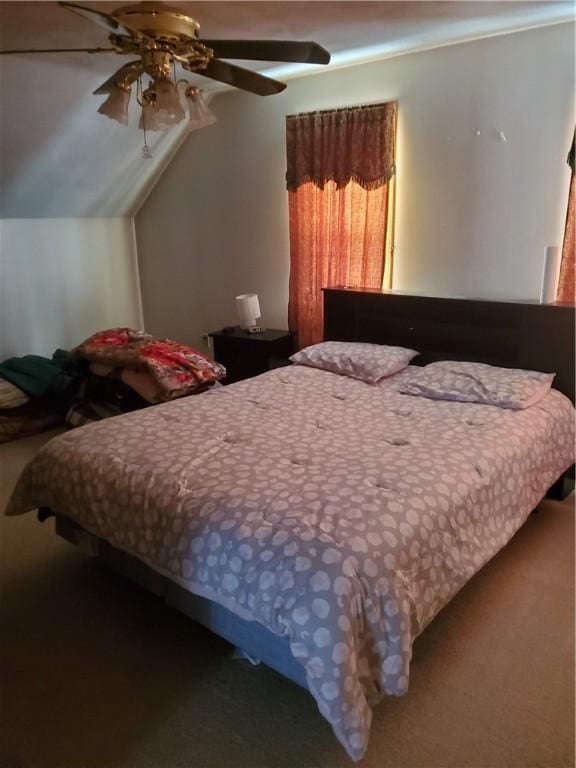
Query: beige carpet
[98, 674]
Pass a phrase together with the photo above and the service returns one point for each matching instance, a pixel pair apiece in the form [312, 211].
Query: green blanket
[38, 376]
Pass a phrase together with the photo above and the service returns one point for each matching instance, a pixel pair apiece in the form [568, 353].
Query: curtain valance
[354, 143]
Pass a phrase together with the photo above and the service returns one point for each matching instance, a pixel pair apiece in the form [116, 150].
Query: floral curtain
[339, 178]
[567, 282]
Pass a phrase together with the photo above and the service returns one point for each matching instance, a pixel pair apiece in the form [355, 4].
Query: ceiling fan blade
[269, 50]
[240, 78]
[126, 75]
[62, 50]
[102, 19]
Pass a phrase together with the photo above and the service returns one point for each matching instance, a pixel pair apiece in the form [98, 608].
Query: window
[341, 203]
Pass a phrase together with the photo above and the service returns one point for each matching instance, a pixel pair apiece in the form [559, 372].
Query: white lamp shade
[550, 274]
[248, 308]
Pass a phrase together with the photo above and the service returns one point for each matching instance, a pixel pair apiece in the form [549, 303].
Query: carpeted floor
[96, 673]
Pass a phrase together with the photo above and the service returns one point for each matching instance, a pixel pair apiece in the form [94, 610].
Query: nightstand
[248, 354]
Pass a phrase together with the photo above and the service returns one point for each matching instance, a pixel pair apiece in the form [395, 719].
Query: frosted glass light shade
[248, 308]
[116, 105]
[168, 102]
[200, 113]
[162, 106]
[151, 119]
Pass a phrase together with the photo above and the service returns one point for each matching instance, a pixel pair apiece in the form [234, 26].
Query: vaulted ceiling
[59, 158]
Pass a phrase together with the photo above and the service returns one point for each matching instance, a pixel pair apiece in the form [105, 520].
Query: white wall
[63, 279]
[473, 213]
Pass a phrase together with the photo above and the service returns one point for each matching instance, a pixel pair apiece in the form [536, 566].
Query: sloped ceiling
[59, 158]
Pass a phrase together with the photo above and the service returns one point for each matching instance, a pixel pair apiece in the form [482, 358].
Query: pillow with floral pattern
[465, 382]
[366, 362]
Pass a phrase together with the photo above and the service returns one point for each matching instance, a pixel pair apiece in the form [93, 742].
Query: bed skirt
[251, 639]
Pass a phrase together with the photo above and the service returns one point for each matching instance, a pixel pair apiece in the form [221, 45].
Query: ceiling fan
[160, 36]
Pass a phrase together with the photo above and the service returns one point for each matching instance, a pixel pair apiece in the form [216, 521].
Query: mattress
[338, 515]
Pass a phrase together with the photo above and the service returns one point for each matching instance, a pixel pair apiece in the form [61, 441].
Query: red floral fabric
[176, 368]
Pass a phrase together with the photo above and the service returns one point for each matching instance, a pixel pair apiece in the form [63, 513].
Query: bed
[316, 522]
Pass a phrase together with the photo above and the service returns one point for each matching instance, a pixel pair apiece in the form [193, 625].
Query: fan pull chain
[146, 152]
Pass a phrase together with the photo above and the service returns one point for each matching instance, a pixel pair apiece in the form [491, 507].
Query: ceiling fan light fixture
[116, 105]
[161, 36]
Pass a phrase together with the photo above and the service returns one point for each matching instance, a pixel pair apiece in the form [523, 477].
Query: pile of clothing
[35, 392]
[113, 372]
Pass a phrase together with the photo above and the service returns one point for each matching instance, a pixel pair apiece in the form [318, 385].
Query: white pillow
[465, 382]
[367, 362]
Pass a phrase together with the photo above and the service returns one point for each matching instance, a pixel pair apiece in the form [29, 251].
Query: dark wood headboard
[512, 334]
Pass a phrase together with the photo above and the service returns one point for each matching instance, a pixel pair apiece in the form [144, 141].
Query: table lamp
[248, 308]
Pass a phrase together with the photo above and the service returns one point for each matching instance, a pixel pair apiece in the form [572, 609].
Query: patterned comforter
[340, 514]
